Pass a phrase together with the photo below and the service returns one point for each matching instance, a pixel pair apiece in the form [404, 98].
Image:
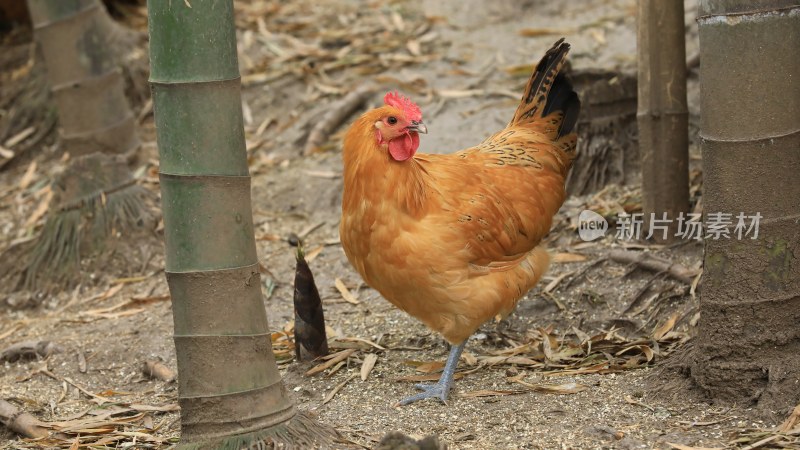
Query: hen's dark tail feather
[549, 91]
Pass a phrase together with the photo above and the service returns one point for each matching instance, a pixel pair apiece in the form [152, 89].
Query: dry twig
[337, 113]
[29, 349]
[655, 264]
[155, 368]
[21, 422]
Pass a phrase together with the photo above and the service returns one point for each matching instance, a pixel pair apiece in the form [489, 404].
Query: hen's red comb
[410, 109]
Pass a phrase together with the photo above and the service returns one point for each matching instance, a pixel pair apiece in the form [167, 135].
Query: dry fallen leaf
[338, 388]
[346, 294]
[463, 93]
[490, 393]
[414, 47]
[546, 388]
[360, 340]
[469, 359]
[430, 367]
[599, 35]
[368, 365]
[518, 360]
[561, 258]
[41, 210]
[11, 330]
[646, 350]
[631, 401]
[689, 447]
[792, 421]
[565, 388]
[536, 32]
[332, 360]
[19, 137]
[157, 408]
[312, 255]
[328, 174]
[112, 393]
[27, 177]
[556, 281]
[112, 291]
[665, 327]
[398, 21]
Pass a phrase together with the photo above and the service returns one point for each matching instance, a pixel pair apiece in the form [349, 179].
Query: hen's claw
[437, 390]
[442, 387]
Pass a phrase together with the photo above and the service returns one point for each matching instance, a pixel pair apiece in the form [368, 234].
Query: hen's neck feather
[371, 174]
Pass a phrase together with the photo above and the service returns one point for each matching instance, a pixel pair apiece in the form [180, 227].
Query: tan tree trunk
[86, 81]
[662, 113]
[95, 195]
[748, 344]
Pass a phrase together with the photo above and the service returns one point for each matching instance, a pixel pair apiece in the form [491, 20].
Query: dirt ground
[460, 68]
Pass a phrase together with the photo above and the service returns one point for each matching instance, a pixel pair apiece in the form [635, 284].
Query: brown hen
[454, 239]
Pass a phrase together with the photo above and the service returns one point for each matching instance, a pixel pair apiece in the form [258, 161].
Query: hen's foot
[438, 390]
[442, 387]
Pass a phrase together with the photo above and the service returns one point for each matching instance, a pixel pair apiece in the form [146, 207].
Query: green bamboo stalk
[748, 340]
[230, 390]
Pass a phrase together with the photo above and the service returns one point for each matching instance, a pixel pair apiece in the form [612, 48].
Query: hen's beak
[419, 127]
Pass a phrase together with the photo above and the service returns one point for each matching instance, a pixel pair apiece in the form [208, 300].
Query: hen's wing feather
[500, 196]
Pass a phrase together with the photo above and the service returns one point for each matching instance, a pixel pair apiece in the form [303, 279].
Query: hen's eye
[392, 120]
